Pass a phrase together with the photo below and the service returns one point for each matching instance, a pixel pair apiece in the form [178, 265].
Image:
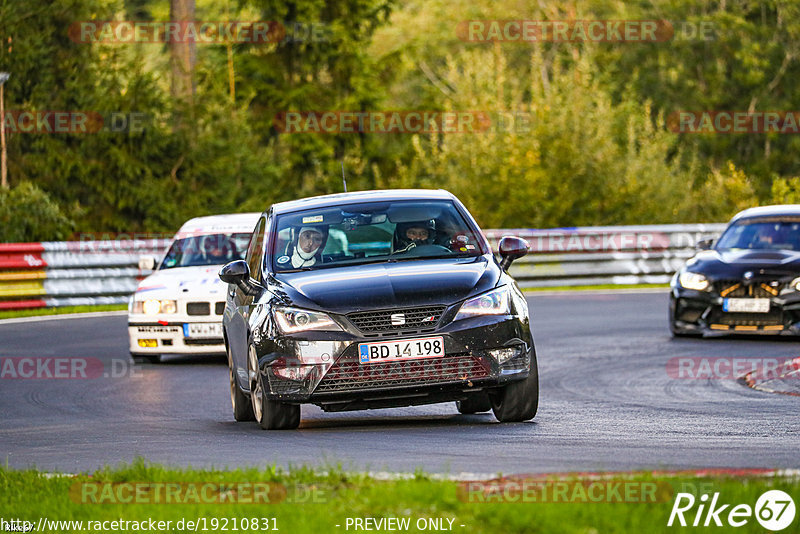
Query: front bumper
[702, 312]
[336, 381]
[147, 337]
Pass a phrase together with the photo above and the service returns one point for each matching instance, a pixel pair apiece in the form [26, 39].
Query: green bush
[28, 214]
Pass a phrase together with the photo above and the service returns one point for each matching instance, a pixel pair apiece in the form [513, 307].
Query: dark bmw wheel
[674, 329]
[271, 415]
[476, 403]
[518, 401]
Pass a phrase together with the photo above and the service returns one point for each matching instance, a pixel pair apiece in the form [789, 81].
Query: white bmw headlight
[291, 320]
[154, 307]
[695, 281]
[495, 302]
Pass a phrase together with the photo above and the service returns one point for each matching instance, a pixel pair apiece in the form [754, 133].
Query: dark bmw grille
[772, 318]
[413, 319]
[753, 288]
[350, 375]
[198, 308]
[219, 308]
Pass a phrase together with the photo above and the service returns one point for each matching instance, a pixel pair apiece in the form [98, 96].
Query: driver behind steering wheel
[413, 234]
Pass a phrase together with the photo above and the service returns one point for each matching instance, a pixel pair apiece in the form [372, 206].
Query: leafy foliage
[594, 150]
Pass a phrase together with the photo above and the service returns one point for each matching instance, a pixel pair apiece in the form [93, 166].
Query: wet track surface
[607, 403]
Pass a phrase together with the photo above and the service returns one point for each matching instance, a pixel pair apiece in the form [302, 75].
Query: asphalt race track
[607, 403]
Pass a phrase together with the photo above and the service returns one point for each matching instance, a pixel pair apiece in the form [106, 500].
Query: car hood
[735, 262]
[183, 282]
[389, 285]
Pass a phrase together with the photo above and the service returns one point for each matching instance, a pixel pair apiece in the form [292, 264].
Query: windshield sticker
[283, 259]
[313, 219]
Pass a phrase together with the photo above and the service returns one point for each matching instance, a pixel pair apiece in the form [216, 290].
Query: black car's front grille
[773, 318]
[400, 320]
[198, 308]
[351, 375]
[751, 288]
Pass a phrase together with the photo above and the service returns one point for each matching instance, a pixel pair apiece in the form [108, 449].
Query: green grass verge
[598, 286]
[10, 314]
[317, 501]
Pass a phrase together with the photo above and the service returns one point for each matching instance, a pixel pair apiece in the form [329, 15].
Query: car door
[240, 303]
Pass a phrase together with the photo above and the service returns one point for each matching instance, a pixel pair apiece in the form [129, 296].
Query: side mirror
[511, 248]
[704, 244]
[238, 272]
[147, 263]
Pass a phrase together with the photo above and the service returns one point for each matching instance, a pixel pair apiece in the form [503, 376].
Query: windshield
[372, 232]
[780, 234]
[214, 249]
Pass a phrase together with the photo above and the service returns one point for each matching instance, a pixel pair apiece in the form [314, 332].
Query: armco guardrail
[73, 273]
[605, 254]
[106, 272]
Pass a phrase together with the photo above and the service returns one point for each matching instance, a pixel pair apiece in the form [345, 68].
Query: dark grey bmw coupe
[376, 299]
[747, 282]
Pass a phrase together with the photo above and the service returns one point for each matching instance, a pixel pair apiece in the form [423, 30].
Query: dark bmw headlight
[795, 284]
[292, 320]
[695, 281]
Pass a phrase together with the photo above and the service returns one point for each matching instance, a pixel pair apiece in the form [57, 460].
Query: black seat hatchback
[376, 299]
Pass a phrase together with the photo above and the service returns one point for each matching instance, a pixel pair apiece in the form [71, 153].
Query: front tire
[148, 358]
[476, 403]
[518, 401]
[270, 414]
[674, 329]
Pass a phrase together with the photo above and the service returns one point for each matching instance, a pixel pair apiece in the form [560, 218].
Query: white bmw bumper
[196, 328]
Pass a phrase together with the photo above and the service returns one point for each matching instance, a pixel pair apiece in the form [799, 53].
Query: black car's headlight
[695, 281]
[795, 284]
[495, 302]
[292, 320]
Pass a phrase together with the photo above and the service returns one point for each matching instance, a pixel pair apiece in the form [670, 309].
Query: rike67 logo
[774, 510]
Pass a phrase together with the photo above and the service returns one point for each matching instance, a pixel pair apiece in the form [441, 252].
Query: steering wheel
[422, 250]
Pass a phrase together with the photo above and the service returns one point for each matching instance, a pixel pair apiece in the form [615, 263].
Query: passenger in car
[306, 249]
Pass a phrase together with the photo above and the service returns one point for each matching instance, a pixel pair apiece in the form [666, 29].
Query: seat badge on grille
[748, 275]
[398, 319]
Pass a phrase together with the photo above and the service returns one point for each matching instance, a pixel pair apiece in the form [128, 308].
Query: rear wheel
[271, 415]
[476, 403]
[242, 407]
[518, 401]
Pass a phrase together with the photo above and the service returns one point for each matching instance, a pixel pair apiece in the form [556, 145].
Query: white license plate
[406, 349]
[746, 305]
[208, 330]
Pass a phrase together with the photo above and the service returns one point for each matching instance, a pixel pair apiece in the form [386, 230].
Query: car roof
[220, 224]
[768, 211]
[360, 196]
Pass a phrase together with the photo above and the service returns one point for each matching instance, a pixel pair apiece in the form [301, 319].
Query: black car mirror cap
[705, 244]
[511, 248]
[238, 272]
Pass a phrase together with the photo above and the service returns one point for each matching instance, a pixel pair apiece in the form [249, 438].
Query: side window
[256, 250]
